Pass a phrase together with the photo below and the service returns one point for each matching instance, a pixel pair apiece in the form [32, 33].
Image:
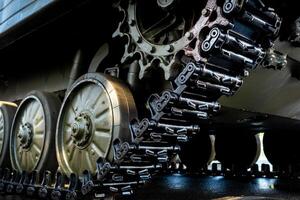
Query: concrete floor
[183, 187]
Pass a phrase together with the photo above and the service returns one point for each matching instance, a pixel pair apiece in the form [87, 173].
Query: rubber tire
[51, 105]
[8, 113]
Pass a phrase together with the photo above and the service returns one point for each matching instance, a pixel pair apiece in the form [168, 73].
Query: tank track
[175, 116]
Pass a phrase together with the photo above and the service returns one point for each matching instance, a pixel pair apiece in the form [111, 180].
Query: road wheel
[96, 110]
[32, 138]
[6, 117]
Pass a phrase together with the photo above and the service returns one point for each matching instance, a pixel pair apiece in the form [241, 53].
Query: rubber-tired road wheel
[97, 109]
[33, 130]
[6, 117]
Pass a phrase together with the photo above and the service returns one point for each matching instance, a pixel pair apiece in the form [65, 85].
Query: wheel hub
[81, 130]
[25, 135]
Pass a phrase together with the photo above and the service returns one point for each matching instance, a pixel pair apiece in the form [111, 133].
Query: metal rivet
[189, 35]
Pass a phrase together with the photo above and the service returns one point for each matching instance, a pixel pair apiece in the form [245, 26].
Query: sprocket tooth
[118, 31]
[170, 68]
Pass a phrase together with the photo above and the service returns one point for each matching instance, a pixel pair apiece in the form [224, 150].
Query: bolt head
[189, 35]
[205, 12]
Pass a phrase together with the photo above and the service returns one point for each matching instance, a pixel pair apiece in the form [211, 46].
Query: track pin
[46, 183]
[5, 178]
[87, 184]
[56, 194]
[73, 186]
[32, 183]
[20, 187]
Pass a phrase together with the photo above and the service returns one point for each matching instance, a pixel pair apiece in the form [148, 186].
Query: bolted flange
[25, 135]
[81, 130]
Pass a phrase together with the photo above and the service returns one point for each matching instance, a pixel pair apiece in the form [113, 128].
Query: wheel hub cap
[25, 135]
[81, 130]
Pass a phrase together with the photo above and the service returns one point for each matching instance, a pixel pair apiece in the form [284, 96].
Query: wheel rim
[28, 134]
[1, 131]
[87, 126]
